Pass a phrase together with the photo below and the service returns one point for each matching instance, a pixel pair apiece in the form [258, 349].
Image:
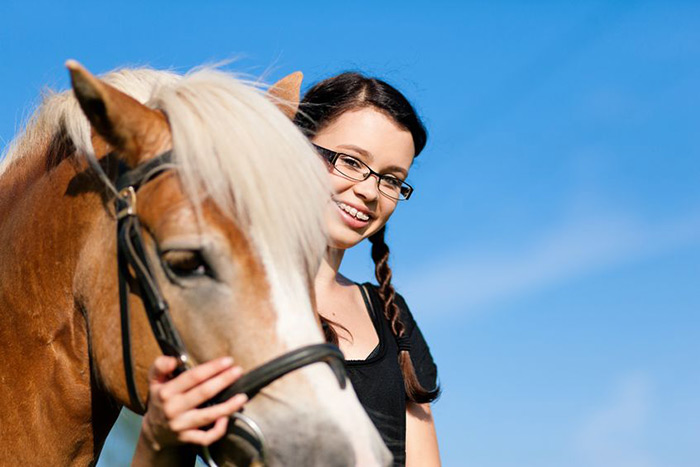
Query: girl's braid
[380, 255]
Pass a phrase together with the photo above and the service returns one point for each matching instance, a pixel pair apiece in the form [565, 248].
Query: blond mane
[233, 146]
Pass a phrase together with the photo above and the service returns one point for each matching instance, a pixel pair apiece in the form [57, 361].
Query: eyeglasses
[354, 169]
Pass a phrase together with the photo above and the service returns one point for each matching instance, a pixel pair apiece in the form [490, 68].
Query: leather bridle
[135, 273]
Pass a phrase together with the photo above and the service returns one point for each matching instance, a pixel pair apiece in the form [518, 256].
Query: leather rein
[136, 275]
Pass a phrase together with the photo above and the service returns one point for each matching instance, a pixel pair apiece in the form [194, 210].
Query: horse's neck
[46, 382]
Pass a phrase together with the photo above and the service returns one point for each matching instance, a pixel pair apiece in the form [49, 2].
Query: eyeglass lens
[358, 170]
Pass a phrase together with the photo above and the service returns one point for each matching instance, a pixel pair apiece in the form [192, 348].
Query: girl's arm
[421, 439]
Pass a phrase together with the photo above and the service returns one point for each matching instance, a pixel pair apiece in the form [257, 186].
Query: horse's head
[232, 229]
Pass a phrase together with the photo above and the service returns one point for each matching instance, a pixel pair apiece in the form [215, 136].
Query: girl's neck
[328, 276]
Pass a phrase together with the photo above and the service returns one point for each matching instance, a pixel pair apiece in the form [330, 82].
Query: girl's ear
[135, 131]
[286, 93]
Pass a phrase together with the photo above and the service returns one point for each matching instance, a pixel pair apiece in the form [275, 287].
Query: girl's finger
[197, 418]
[160, 371]
[206, 390]
[205, 438]
[190, 378]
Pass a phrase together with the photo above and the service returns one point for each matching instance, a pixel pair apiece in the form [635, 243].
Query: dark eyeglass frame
[332, 156]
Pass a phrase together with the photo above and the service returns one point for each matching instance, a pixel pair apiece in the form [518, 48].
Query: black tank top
[377, 380]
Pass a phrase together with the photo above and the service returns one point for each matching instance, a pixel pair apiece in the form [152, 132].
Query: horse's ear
[126, 124]
[286, 93]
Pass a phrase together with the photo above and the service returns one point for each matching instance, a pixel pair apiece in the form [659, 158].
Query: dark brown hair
[332, 97]
[322, 104]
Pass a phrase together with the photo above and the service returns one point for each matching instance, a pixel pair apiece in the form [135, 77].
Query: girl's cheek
[339, 186]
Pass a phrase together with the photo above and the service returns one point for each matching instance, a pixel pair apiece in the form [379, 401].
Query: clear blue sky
[552, 251]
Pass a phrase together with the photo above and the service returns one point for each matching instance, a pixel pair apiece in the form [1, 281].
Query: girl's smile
[354, 217]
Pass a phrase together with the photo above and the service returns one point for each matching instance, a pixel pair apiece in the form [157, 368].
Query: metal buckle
[127, 198]
[255, 432]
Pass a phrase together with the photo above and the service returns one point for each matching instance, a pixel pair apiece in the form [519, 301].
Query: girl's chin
[345, 238]
[343, 243]
[342, 236]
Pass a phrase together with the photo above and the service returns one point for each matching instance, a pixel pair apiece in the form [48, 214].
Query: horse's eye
[186, 263]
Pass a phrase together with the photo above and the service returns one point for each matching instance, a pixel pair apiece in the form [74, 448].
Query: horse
[225, 204]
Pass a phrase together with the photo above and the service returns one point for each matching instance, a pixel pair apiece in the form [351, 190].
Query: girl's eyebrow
[396, 168]
[368, 155]
[364, 152]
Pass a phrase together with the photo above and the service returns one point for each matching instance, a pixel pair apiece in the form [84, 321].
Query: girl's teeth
[353, 212]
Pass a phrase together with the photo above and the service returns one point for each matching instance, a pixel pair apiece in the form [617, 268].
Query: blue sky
[551, 253]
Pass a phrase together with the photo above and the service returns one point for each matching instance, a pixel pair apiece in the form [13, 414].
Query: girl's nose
[367, 189]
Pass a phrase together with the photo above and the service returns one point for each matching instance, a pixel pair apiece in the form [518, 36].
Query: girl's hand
[173, 418]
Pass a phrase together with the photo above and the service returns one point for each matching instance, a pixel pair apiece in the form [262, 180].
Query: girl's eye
[186, 263]
[350, 162]
[393, 182]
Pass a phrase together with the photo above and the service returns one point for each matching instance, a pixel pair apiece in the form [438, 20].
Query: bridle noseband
[131, 252]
